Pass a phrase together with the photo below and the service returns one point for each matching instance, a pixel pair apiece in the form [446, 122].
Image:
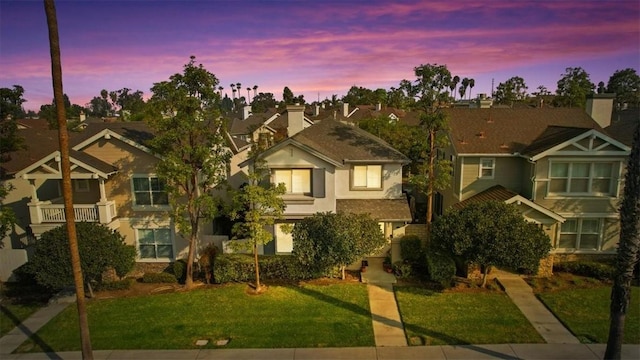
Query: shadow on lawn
[390, 322]
[35, 338]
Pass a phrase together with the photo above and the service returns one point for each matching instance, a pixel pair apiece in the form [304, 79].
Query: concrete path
[545, 323]
[388, 329]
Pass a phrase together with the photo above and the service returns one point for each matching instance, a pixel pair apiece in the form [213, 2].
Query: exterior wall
[391, 184]
[237, 175]
[507, 172]
[13, 247]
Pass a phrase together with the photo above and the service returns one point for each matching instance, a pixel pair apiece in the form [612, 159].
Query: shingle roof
[624, 124]
[381, 209]
[93, 162]
[497, 193]
[246, 126]
[496, 131]
[342, 143]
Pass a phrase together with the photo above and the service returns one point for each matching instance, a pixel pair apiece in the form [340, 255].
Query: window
[149, 191]
[580, 234]
[367, 177]
[487, 168]
[297, 181]
[581, 178]
[155, 244]
[81, 185]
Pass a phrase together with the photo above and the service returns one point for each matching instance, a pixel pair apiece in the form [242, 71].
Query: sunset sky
[316, 48]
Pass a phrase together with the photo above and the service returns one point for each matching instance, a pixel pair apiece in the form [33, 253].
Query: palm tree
[463, 88]
[63, 137]
[255, 90]
[233, 91]
[454, 84]
[220, 88]
[472, 83]
[248, 95]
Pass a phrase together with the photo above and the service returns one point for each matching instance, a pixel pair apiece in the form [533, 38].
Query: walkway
[545, 323]
[388, 329]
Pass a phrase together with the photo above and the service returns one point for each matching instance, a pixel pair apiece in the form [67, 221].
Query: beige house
[557, 165]
[114, 184]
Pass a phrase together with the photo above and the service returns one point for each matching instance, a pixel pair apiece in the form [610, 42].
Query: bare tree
[63, 138]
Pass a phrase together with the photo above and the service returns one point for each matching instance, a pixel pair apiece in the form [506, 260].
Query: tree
[399, 135]
[72, 111]
[130, 105]
[100, 249]
[432, 84]
[289, 99]
[464, 84]
[491, 233]
[65, 166]
[100, 106]
[472, 83]
[327, 240]
[7, 216]
[511, 91]
[256, 206]
[573, 88]
[10, 110]
[189, 138]
[262, 102]
[454, 83]
[626, 85]
[11, 101]
[628, 253]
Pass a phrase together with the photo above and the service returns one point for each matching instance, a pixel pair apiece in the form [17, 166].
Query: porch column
[34, 192]
[35, 212]
[105, 207]
[103, 192]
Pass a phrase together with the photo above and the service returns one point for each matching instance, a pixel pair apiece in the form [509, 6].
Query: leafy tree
[542, 91]
[72, 111]
[11, 101]
[327, 240]
[10, 110]
[256, 206]
[262, 102]
[100, 106]
[189, 138]
[628, 253]
[432, 84]
[402, 137]
[491, 233]
[399, 98]
[7, 216]
[573, 88]
[358, 95]
[100, 249]
[288, 98]
[511, 91]
[131, 105]
[626, 85]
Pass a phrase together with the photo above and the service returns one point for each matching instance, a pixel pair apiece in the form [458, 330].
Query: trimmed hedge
[411, 249]
[598, 270]
[441, 268]
[240, 268]
[159, 278]
[180, 270]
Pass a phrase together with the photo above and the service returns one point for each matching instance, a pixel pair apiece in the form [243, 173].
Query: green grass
[586, 312]
[457, 318]
[13, 314]
[335, 315]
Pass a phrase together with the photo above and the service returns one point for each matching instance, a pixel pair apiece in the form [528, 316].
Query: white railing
[56, 213]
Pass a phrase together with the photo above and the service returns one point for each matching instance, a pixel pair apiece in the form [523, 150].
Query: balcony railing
[45, 212]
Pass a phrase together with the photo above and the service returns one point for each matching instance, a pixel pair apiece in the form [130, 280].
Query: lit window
[149, 191]
[580, 234]
[581, 178]
[367, 177]
[155, 244]
[487, 168]
[297, 181]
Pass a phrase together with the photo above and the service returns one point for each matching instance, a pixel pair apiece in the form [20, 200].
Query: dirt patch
[140, 289]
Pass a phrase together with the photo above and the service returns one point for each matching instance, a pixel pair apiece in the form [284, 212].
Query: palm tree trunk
[63, 137]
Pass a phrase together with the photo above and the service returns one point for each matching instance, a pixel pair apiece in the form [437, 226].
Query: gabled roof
[624, 124]
[49, 167]
[246, 126]
[510, 131]
[380, 209]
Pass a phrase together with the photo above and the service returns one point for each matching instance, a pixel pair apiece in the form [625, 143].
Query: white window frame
[369, 171]
[137, 206]
[481, 168]
[579, 233]
[291, 177]
[81, 185]
[590, 179]
[156, 259]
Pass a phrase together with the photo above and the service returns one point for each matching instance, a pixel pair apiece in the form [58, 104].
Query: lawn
[335, 315]
[462, 317]
[13, 314]
[18, 302]
[585, 311]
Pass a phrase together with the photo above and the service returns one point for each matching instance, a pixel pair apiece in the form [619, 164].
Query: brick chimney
[600, 108]
[295, 116]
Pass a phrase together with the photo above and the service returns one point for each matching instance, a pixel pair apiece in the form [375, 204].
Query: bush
[180, 270]
[441, 268]
[592, 269]
[123, 284]
[207, 258]
[239, 268]
[159, 278]
[411, 249]
[402, 269]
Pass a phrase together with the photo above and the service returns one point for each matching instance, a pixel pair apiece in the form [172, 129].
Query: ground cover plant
[309, 315]
[457, 317]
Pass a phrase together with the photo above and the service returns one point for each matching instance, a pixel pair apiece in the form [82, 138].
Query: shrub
[592, 269]
[207, 258]
[239, 267]
[159, 278]
[180, 270]
[402, 269]
[441, 268]
[411, 249]
[123, 284]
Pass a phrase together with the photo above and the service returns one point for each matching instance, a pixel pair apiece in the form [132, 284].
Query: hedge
[441, 268]
[240, 268]
[592, 269]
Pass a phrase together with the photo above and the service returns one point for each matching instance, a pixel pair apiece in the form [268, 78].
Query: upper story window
[582, 234]
[487, 168]
[582, 178]
[297, 181]
[366, 177]
[149, 191]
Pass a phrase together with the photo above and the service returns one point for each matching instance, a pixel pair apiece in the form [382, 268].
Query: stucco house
[114, 184]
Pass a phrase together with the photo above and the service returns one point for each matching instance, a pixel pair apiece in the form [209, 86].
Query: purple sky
[316, 48]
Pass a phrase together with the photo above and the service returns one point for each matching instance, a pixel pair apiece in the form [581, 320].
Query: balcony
[48, 212]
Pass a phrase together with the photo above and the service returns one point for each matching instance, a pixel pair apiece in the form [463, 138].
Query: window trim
[579, 233]
[169, 228]
[147, 207]
[80, 188]
[492, 168]
[613, 179]
[365, 188]
[305, 194]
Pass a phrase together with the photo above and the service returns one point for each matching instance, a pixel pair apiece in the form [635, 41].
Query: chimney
[83, 117]
[246, 111]
[295, 116]
[600, 108]
[482, 102]
[345, 109]
[316, 110]
[378, 106]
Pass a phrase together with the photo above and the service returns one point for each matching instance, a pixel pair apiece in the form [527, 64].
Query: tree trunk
[255, 261]
[63, 137]
[188, 281]
[628, 252]
[485, 272]
[342, 268]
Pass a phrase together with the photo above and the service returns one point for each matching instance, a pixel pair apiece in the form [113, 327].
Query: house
[335, 167]
[558, 165]
[114, 184]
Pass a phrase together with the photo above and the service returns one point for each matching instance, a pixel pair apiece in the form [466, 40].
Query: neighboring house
[114, 184]
[558, 166]
[335, 167]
